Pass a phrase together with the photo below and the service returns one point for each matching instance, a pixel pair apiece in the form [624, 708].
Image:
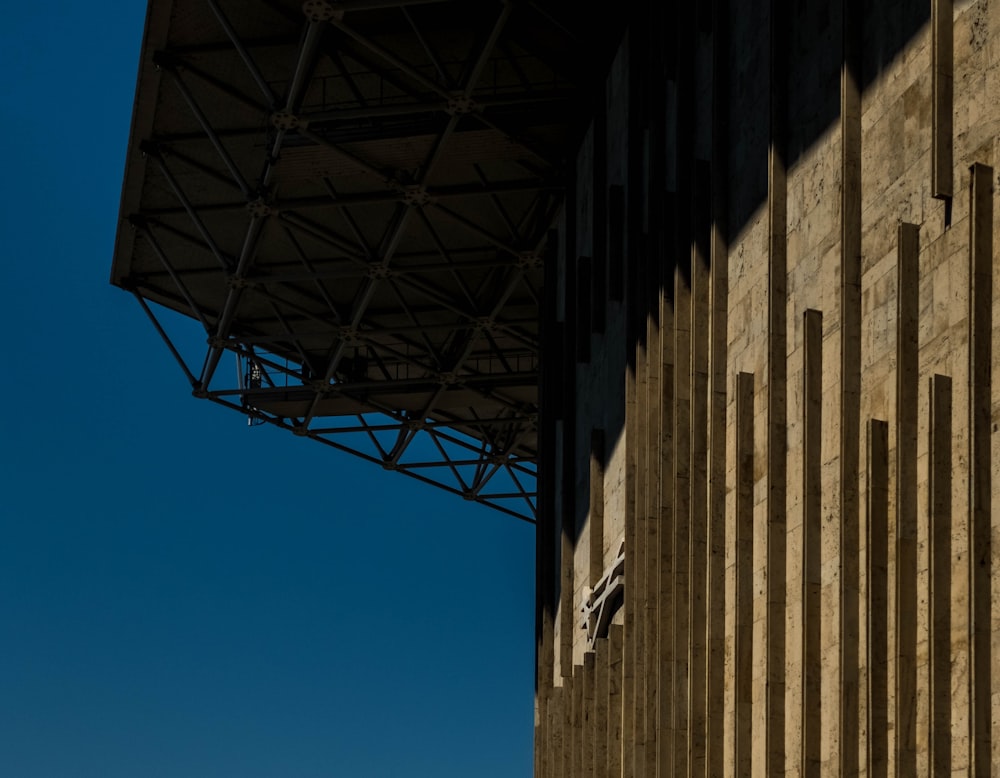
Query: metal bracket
[602, 602]
[460, 105]
[414, 194]
[283, 120]
[321, 11]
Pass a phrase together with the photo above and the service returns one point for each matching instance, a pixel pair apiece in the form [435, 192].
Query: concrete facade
[771, 355]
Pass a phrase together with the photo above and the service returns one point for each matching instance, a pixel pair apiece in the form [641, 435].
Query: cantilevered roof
[351, 199]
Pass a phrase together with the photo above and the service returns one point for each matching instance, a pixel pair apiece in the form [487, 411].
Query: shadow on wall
[685, 183]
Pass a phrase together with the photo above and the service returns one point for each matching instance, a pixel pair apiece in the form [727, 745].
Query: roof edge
[147, 89]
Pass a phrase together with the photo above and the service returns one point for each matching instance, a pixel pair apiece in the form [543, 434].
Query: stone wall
[793, 394]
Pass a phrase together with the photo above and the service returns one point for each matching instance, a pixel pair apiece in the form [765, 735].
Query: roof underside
[352, 200]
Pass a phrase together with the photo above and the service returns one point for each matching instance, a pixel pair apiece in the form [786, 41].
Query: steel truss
[352, 199]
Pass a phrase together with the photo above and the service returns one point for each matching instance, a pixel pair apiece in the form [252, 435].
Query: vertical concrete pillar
[659, 327]
[557, 749]
[597, 459]
[635, 196]
[718, 310]
[850, 387]
[576, 722]
[682, 513]
[599, 193]
[981, 680]
[567, 512]
[939, 594]
[942, 100]
[684, 120]
[772, 736]
[616, 242]
[636, 639]
[546, 527]
[699, 402]
[665, 584]
[812, 531]
[588, 717]
[602, 721]
[616, 708]
[584, 308]
[907, 299]
[877, 567]
[742, 674]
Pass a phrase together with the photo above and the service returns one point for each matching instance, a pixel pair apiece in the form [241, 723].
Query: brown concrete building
[777, 297]
[720, 274]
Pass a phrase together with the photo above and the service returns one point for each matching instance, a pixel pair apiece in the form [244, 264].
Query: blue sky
[181, 595]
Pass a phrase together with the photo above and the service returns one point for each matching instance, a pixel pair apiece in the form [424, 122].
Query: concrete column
[850, 387]
[877, 575]
[616, 707]
[812, 547]
[940, 590]
[982, 678]
[906, 500]
[742, 673]
[942, 97]
[769, 669]
[718, 313]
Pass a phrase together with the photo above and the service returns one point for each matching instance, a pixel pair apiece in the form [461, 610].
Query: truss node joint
[349, 336]
[217, 342]
[389, 465]
[321, 11]
[239, 282]
[415, 194]
[259, 208]
[284, 120]
[379, 271]
[460, 105]
[529, 260]
[448, 378]
[199, 393]
[300, 431]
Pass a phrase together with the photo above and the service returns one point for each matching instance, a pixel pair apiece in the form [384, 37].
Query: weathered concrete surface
[798, 396]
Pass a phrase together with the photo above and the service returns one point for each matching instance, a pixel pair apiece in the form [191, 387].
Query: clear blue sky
[181, 595]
